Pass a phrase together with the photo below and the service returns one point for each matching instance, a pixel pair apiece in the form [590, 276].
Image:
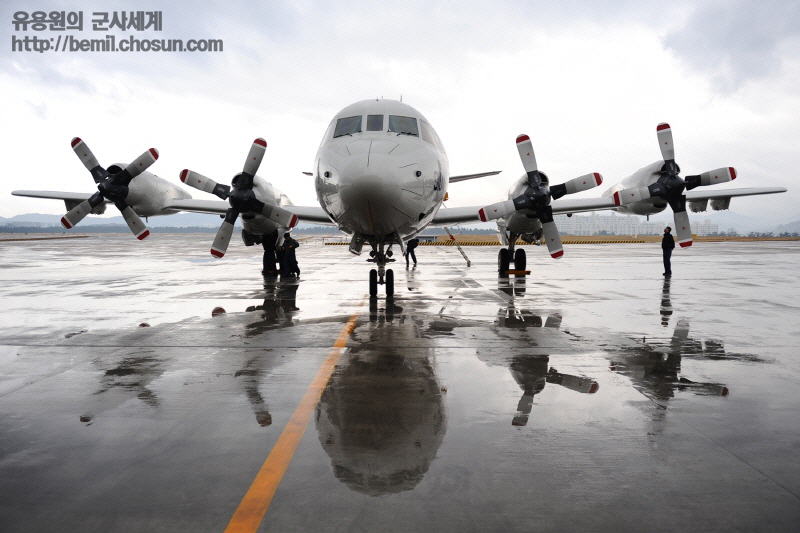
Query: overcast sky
[587, 81]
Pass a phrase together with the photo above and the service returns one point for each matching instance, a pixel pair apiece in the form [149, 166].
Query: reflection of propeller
[113, 187]
[670, 186]
[241, 197]
[538, 195]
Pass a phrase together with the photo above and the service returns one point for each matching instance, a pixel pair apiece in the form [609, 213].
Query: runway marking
[256, 501]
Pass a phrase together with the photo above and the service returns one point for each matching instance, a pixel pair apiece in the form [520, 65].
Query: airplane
[381, 175]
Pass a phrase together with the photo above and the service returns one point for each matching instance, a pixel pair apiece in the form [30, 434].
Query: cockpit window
[374, 122]
[403, 125]
[347, 126]
[427, 133]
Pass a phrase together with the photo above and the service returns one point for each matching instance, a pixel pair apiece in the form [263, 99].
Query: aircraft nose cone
[372, 196]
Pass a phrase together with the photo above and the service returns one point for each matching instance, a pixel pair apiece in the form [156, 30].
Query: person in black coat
[667, 245]
[269, 242]
[410, 246]
[289, 264]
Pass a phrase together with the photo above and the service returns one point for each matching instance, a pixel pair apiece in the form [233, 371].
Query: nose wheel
[381, 275]
[375, 279]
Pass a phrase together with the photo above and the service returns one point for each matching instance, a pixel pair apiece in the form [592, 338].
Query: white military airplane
[381, 175]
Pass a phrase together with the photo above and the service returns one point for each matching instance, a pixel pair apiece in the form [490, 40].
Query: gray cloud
[736, 41]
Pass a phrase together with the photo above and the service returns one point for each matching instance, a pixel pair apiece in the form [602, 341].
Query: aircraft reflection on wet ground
[465, 403]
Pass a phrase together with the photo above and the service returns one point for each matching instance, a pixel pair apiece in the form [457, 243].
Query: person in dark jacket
[289, 264]
[269, 242]
[410, 246]
[667, 245]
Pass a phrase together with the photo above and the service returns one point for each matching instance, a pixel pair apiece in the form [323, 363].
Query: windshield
[403, 125]
[347, 126]
[374, 122]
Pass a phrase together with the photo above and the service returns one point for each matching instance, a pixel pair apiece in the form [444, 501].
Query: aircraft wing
[709, 194]
[580, 205]
[56, 195]
[455, 215]
[465, 215]
[465, 177]
[219, 207]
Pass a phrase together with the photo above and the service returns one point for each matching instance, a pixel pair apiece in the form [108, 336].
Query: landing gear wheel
[373, 282]
[503, 261]
[520, 261]
[390, 282]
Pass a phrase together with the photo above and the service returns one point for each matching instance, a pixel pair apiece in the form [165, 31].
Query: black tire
[520, 261]
[373, 282]
[503, 261]
[389, 282]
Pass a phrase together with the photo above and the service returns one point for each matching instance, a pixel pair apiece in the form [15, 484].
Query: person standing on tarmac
[667, 245]
[410, 246]
[269, 242]
[289, 264]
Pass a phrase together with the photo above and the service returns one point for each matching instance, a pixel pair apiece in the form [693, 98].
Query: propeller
[670, 186]
[112, 187]
[538, 195]
[240, 196]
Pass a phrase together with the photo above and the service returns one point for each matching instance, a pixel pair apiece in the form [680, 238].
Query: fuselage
[381, 171]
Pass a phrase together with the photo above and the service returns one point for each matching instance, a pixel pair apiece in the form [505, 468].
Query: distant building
[614, 224]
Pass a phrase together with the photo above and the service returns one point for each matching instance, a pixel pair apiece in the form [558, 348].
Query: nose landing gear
[381, 275]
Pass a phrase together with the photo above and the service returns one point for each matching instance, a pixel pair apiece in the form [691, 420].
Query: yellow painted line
[256, 501]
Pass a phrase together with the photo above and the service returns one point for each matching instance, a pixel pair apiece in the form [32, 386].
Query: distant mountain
[181, 220]
[791, 227]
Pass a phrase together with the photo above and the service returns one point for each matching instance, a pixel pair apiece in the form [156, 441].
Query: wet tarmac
[589, 396]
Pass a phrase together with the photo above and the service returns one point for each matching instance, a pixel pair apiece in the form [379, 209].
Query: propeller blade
[279, 215]
[683, 229]
[88, 159]
[198, 181]
[582, 183]
[495, 211]
[525, 149]
[142, 163]
[553, 239]
[79, 212]
[634, 194]
[664, 133]
[720, 175]
[134, 222]
[255, 156]
[220, 245]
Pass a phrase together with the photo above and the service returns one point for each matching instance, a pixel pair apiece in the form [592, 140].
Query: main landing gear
[381, 275]
[509, 255]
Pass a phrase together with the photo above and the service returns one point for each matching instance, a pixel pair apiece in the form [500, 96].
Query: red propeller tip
[685, 244]
[144, 235]
[482, 215]
[522, 138]
[662, 126]
[260, 142]
[733, 172]
[557, 254]
[617, 201]
[65, 223]
[154, 153]
[184, 173]
[217, 253]
[294, 221]
[75, 141]
[598, 178]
